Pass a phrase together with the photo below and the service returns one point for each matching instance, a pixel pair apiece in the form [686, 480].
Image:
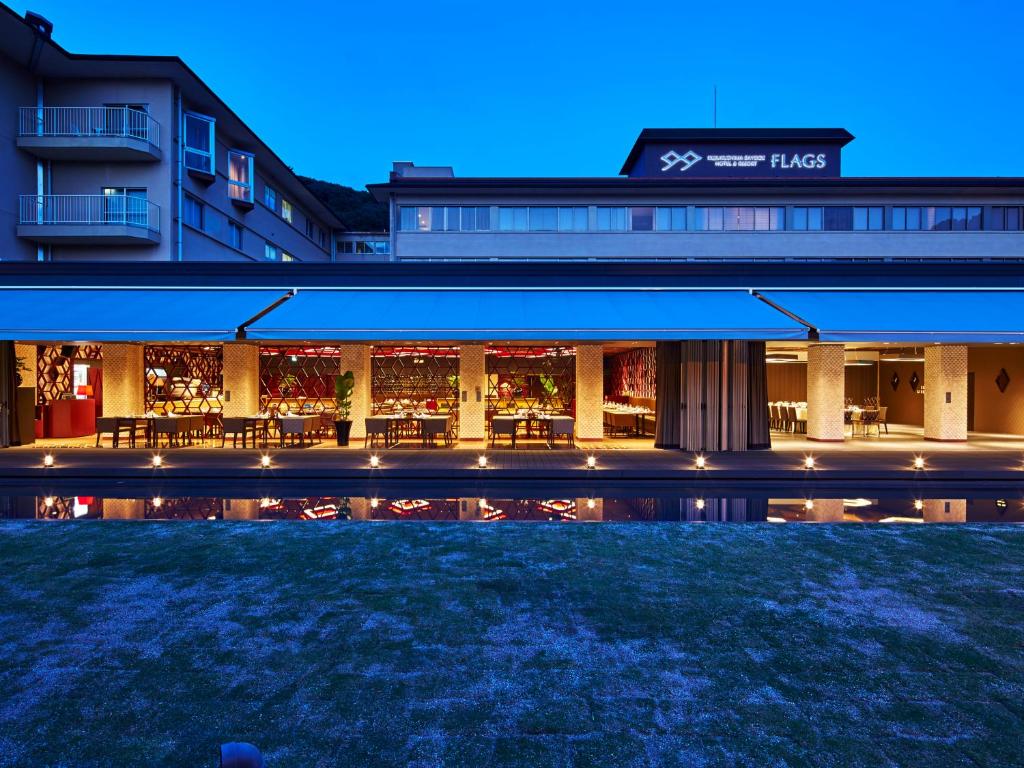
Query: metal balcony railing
[124, 210]
[88, 122]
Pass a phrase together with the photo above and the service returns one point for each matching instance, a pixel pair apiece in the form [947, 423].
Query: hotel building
[727, 290]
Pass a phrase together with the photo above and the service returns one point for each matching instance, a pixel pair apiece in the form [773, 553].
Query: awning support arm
[240, 332]
[812, 332]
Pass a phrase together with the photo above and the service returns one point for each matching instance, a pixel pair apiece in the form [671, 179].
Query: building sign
[706, 160]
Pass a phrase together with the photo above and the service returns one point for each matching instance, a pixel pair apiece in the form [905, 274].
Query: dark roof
[19, 39]
[839, 136]
[933, 185]
[226, 275]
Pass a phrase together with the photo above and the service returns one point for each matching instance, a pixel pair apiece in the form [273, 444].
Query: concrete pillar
[124, 375]
[124, 509]
[825, 511]
[826, 386]
[945, 393]
[589, 510]
[589, 392]
[241, 379]
[356, 358]
[241, 509]
[472, 393]
[945, 510]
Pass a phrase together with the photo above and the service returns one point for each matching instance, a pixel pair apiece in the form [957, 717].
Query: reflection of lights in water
[775, 519]
[918, 504]
[591, 503]
[1001, 503]
[809, 504]
[266, 501]
[48, 501]
[374, 503]
[699, 504]
[901, 520]
[856, 503]
[157, 502]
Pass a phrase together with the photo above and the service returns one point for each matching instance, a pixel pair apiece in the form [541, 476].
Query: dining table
[628, 418]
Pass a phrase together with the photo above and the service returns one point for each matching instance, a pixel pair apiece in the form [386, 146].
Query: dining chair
[503, 426]
[856, 419]
[235, 426]
[111, 425]
[869, 419]
[883, 417]
[563, 426]
[292, 426]
[377, 426]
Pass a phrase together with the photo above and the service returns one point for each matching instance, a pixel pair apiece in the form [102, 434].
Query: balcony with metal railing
[97, 134]
[89, 219]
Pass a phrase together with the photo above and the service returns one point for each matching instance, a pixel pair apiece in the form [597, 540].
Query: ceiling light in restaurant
[782, 357]
[903, 356]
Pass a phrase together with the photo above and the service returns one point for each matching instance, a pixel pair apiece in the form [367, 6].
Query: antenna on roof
[714, 108]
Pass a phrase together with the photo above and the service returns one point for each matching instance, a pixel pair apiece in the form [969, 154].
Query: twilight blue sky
[340, 89]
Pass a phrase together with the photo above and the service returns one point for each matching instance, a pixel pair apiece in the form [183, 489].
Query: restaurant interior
[415, 397]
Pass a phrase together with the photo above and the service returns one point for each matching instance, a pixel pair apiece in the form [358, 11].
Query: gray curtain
[668, 357]
[8, 395]
[758, 435]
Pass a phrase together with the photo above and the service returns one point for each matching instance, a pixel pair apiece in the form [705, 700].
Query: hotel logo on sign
[685, 161]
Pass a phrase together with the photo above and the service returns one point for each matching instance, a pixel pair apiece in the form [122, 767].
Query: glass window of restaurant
[541, 379]
[414, 379]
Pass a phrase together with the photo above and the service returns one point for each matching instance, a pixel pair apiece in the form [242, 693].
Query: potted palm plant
[344, 385]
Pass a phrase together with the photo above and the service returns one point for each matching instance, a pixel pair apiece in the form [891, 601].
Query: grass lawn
[511, 645]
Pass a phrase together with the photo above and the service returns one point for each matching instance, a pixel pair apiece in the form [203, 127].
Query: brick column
[945, 510]
[826, 386]
[124, 374]
[589, 392]
[945, 393]
[356, 358]
[241, 379]
[472, 392]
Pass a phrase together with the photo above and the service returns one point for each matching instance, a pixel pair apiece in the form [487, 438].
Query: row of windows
[200, 155]
[829, 218]
[194, 215]
[380, 247]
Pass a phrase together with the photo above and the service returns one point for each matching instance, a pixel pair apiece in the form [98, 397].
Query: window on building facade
[270, 198]
[193, 212]
[868, 217]
[611, 219]
[309, 228]
[739, 218]
[285, 256]
[641, 219]
[670, 219]
[806, 218]
[286, 210]
[937, 218]
[200, 142]
[573, 219]
[513, 219]
[543, 219]
[1005, 218]
[321, 237]
[270, 252]
[240, 175]
[235, 235]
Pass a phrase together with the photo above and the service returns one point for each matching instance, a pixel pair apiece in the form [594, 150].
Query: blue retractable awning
[98, 314]
[911, 316]
[523, 314]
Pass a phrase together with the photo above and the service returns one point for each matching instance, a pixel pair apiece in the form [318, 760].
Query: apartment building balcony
[89, 219]
[90, 134]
